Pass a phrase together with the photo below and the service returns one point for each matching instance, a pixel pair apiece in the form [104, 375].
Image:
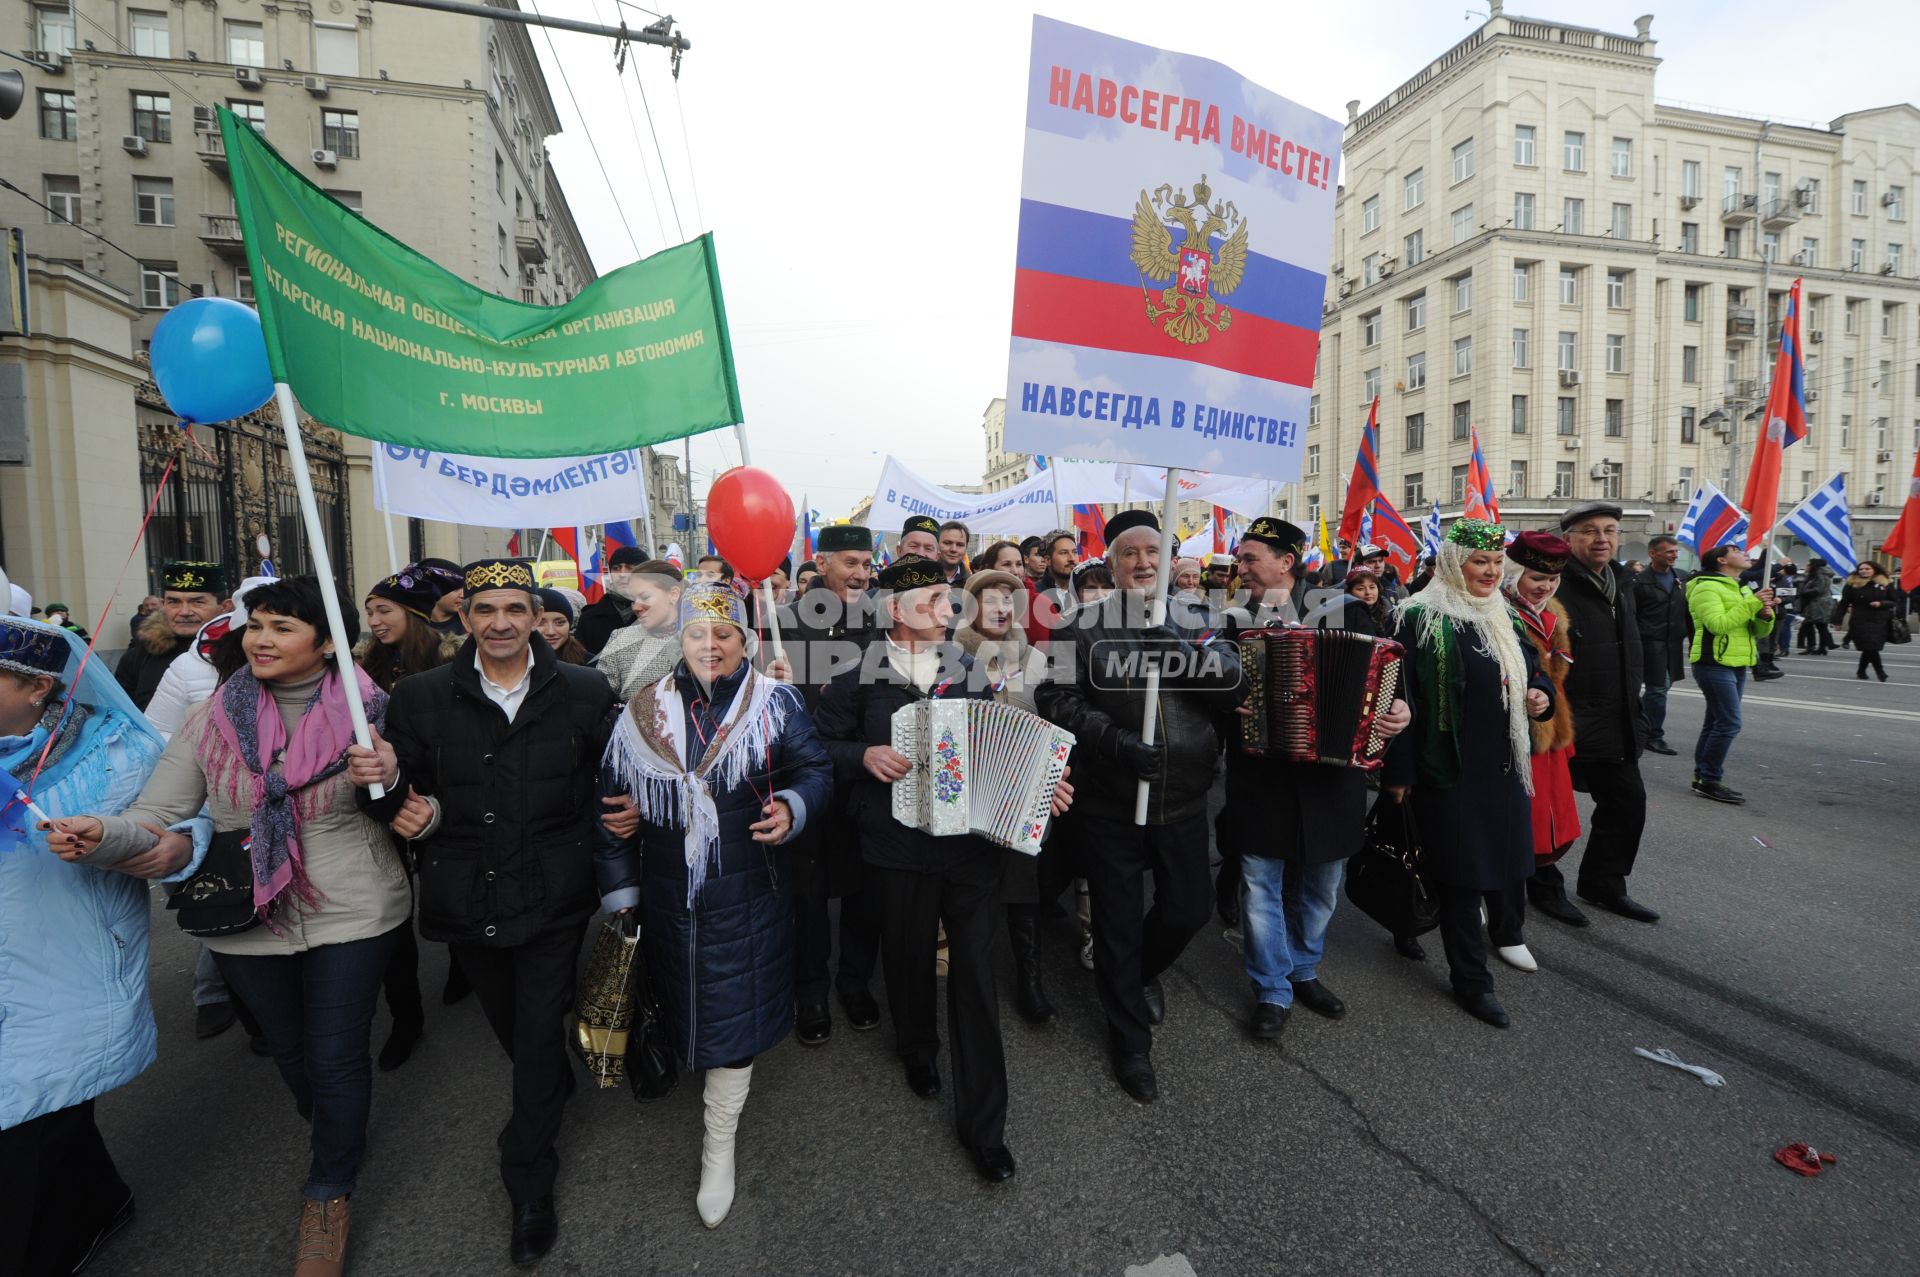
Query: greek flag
[1712, 520]
[1431, 533]
[1821, 522]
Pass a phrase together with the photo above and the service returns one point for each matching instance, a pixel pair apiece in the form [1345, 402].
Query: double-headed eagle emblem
[1187, 310]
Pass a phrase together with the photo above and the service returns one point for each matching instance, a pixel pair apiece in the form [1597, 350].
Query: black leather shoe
[535, 1229]
[121, 1218]
[1134, 1073]
[400, 1043]
[213, 1019]
[1559, 908]
[1156, 1001]
[1318, 998]
[1658, 745]
[1409, 947]
[923, 1080]
[1719, 793]
[994, 1164]
[1483, 1007]
[1624, 905]
[1767, 676]
[814, 1023]
[1269, 1021]
[863, 1012]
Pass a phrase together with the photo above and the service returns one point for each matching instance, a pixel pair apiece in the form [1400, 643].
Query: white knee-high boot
[726, 1095]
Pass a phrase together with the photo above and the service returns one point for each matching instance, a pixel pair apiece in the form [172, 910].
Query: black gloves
[1127, 747]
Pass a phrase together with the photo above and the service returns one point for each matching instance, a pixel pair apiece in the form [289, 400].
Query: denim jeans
[1653, 702]
[1721, 686]
[316, 1010]
[1284, 913]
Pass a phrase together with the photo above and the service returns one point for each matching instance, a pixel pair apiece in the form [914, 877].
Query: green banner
[381, 342]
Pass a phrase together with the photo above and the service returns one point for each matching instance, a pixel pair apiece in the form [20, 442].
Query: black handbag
[218, 899]
[652, 1068]
[1898, 630]
[1383, 877]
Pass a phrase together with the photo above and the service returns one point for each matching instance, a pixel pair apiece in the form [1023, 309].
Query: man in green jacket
[1729, 619]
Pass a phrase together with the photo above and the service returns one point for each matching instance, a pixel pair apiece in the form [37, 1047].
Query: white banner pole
[323, 568]
[740, 433]
[773, 619]
[1053, 468]
[1157, 615]
[393, 548]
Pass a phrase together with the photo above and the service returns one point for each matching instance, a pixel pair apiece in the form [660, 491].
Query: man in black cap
[1289, 827]
[1609, 724]
[501, 748]
[831, 624]
[192, 593]
[921, 881]
[920, 536]
[613, 610]
[1104, 706]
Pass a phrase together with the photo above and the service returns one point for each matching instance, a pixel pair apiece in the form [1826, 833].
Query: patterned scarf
[248, 737]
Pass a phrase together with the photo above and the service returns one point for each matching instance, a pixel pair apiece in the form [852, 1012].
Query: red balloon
[750, 517]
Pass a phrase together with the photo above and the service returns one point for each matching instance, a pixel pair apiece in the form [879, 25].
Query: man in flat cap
[192, 593]
[1103, 704]
[1609, 723]
[500, 749]
[613, 610]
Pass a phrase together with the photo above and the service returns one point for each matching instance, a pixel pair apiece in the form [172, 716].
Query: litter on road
[1672, 1061]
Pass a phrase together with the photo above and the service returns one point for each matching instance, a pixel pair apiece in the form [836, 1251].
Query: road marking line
[1858, 711]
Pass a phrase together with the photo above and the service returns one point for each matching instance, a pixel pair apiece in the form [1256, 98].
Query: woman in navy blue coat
[724, 766]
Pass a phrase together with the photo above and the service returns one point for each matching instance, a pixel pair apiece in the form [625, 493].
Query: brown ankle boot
[323, 1237]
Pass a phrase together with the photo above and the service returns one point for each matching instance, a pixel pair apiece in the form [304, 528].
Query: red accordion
[1317, 694]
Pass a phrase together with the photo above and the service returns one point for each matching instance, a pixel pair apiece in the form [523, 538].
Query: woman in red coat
[1539, 558]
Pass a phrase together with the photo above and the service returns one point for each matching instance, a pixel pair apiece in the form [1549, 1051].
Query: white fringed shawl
[649, 758]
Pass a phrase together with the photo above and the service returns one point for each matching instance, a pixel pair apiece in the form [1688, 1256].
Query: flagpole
[1158, 615]
[1053, 468]
[323, 569]
[393, 550]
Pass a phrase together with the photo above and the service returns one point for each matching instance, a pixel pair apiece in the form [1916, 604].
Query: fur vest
[1555, 653]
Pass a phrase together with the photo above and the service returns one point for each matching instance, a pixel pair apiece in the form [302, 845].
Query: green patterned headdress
[1477, 534]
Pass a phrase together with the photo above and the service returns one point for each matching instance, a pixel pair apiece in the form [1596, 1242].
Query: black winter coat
[1104, 717]
[600, 618]
[1867, 625]
[1608, 662]
[141, 669]
[513, 854]
[824, 634]
[1665, 624]
[724, 969]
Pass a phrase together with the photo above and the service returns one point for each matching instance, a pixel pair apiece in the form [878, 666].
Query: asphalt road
[1406, 1138]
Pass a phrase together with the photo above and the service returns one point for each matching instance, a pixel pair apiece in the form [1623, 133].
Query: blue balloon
[210, 360]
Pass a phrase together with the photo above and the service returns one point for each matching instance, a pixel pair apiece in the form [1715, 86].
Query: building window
[1313, 460]
[1770, 246]
[1370, 384]
[1690, 303]
[1809, 251]
[500, 245]
[1313, 412]
[1617, 289]
[1416, 432]
[1563, 480]
[1522, 282]
[1810, 195]
[1884, 384]
[1859, 199]
[59, 119]
[1574, 153]
[1856, 252]
[1463, 161]
[1416, 312]
[1563, 418]
[1622, 227]
[1893, 259]
[1689, 426]
[1730, 244]
[63, 198]
[1729, 185]
[1519, 414]
[147, 34]
[1690, 365]
[1886, 321]
[1567, 345]
[1616, 418]
[1690, 237]
[1847, 385]
[1463, 420]
[1769, 191]
[153, 201]
[53, 28]
[1416, 188]
[1523, 135]
[153, 117]
[1457, 487]
[1462, 356]
[1369, 270]
[1616, 352]
[340, 133]
[1569, 286]
[1690, 179]
[1370, 215]
[1622, 165]
[1414, 491]
[351, 199]
[159, 285]
[1416, 248]
[1417, 371]
[1573, 216]
[246, 44]
[1463, 224]
[1463, 293]
[1612, 474]
[336, 49]
[253, 114]
[1519, 348]
[243, 285]
[1516, 478]
[500, 177]
[1370, 328]
[1846, 431]
[1523, 211]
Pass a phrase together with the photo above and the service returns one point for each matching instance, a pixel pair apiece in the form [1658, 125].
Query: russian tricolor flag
[1711, 520]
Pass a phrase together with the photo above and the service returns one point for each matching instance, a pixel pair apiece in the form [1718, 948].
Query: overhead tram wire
[693, 177]
[646, 175]
[567, 82]
[158, 68]
[60, 218]
[671, 202]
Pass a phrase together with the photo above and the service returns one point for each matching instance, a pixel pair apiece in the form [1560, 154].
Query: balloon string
[186, 432]
[66, 702]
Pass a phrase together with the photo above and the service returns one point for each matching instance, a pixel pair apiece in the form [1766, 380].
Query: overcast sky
[859, 165]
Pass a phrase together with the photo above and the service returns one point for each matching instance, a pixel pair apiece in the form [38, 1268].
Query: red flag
[1092, 530]
[568, 539]
[513, 546]
[1219, 530]
[1904, 540]
[1391, 533]
[1483, 500]
[1786, 424]
[1365, 484]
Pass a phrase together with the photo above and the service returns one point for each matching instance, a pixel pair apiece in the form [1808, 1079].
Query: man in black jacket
[1609, 726]
[500, 747]
[1103, 704]
[1660, 606]
[193, 593]
[613, 610]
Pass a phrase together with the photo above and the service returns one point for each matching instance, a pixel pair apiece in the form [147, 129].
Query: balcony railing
[1739, 208]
